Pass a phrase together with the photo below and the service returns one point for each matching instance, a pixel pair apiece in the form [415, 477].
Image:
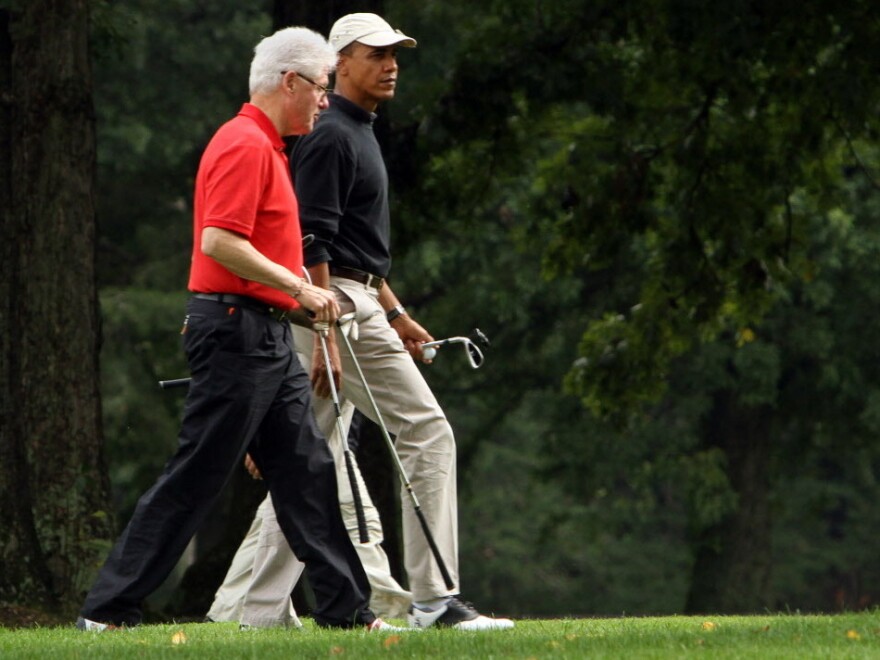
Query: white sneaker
[455, 614]
[379, 625]
[93, 626]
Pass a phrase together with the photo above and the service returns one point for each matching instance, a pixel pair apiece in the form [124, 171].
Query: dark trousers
[248, 394]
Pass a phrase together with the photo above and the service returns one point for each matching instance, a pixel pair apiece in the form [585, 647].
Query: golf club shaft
[401, 471]
[343, 438]
[340, 427]
[441, 342]
[176, 382]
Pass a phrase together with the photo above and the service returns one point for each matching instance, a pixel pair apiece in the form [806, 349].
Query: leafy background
[665, 217]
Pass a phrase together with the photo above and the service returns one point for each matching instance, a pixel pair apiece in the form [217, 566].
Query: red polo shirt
[243, 185]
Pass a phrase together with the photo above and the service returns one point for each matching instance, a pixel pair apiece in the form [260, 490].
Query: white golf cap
[368, 29]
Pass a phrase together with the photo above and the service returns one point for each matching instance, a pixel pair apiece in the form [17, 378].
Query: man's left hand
[413, 336]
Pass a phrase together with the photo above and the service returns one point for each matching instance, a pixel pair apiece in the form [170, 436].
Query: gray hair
[290, 49]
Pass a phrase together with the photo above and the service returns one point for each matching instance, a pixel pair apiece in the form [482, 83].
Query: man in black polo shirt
[342, 187]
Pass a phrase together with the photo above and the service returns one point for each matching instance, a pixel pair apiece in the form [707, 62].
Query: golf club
[174, 382]
[401, 471]
[473, 352]
[322, 330]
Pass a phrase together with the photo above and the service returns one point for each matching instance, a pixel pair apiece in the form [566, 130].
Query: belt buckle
[375, 281]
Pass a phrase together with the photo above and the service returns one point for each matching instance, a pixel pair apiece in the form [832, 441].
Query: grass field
[771, 636]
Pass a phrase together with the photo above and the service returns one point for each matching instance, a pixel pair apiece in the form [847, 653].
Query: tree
[55, 514]
[661, 149]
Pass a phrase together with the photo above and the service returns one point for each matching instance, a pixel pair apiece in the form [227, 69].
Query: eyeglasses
[474, 354]
[324, 90]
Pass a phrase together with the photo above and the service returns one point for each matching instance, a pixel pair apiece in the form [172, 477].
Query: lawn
[770, 636]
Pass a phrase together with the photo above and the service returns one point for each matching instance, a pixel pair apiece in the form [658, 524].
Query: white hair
[290, 49]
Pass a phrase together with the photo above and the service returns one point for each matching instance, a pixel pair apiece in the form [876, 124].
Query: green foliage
[667, 143]
[685, 175]
[141, 347]
[647, 208]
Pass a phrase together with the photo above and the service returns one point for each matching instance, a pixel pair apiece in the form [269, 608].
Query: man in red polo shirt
[248, 392]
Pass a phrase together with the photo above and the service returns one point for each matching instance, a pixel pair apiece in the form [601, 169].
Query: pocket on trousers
[356, 299]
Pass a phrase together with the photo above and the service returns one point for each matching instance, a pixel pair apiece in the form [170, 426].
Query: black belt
[361, 276]
[247, 303]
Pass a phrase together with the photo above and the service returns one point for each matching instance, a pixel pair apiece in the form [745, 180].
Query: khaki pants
[240, 594]
[229, 598]
[423, 438]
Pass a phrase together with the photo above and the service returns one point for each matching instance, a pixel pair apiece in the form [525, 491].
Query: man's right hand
[321, 302]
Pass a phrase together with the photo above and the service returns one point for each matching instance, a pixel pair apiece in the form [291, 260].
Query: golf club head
[475, 356]
[478, 337]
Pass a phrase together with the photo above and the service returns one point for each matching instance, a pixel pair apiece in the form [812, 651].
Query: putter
[401, 471]
[472, 351]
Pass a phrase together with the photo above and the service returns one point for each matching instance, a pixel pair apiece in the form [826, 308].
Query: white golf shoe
[94, 626]
[381, 626]
[455, 613]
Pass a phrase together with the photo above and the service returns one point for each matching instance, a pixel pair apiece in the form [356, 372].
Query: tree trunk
[55, 509]
[732, 563]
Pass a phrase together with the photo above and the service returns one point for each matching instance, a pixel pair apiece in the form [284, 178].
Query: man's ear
[341, 65]
[288, 81]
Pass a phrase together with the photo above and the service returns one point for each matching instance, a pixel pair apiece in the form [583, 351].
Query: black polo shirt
[342, 188]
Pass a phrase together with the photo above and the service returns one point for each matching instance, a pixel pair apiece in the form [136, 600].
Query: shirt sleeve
[322, 167]
[233, 188]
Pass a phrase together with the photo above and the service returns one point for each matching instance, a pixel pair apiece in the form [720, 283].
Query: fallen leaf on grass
[391, 640]
[852, 634]
[178, 638]
[708, 625]
[337, 650]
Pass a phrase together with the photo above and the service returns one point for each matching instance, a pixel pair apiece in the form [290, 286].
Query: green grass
[771, 636]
